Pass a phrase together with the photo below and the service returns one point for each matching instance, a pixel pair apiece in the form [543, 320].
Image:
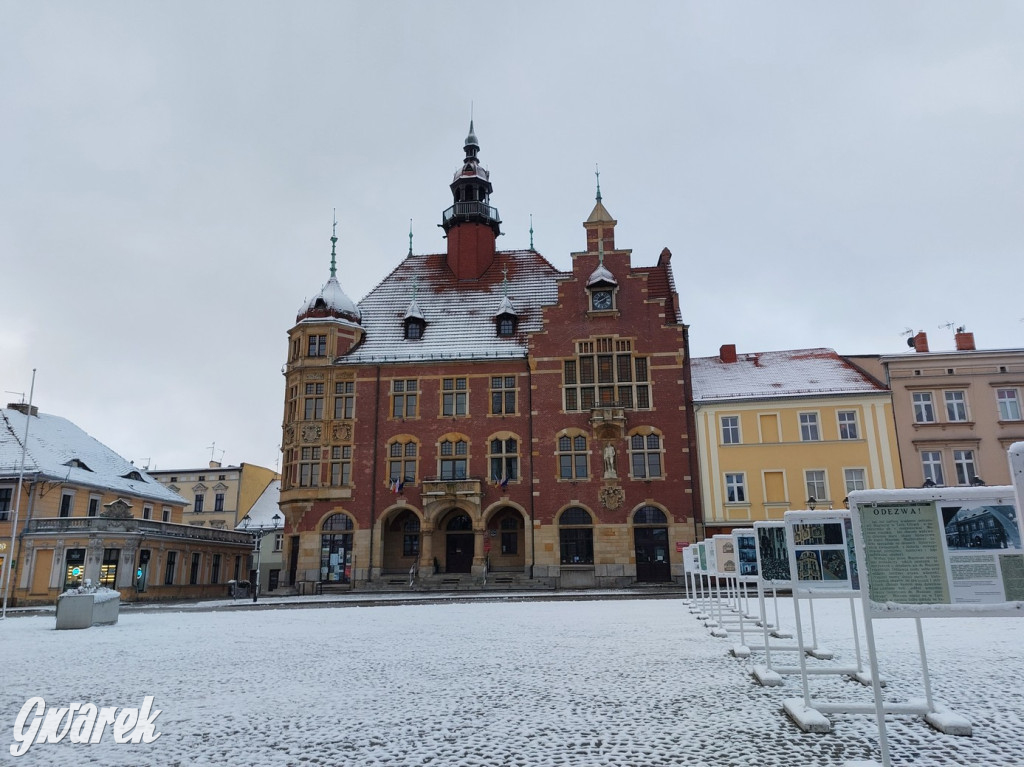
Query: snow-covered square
[475, 683]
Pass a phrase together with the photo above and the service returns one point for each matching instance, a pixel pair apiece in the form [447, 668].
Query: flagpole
[17, 500]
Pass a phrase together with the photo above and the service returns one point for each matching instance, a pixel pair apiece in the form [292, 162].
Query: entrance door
[652, 563]
[458, 553]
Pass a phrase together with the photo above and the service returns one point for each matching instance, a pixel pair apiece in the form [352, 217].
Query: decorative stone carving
[612, 496]
[609, 461]
[341, 432]
[289, 435]
[311, 432]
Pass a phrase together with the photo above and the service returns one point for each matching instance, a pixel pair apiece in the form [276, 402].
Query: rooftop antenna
[213, 449]
[145, 466]
[22, 394]
[952, 325]
[410, 236]
[531, 232]
[334, 240]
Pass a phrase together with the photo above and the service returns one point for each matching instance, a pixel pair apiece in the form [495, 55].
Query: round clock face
[602, 299]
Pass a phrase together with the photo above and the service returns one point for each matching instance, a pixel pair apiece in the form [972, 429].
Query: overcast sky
[825, 174]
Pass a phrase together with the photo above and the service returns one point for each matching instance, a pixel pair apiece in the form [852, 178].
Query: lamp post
[257, 534]
[812, 502]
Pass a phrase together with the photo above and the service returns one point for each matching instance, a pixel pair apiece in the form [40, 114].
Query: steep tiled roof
[57, 449]
[791, 373]
[459, 315]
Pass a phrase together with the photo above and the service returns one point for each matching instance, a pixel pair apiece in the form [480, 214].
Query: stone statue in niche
[609, 461]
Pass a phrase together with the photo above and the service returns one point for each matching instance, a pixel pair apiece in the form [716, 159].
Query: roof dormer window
[506, 325]
[74, 463]
[133, 475]
[414, 327]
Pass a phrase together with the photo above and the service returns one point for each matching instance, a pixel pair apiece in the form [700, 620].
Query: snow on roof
[57, 449]
[331, 299]
[262, 512]
[791, 373]
[458, 315]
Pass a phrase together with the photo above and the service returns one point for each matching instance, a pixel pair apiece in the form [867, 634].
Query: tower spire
[531, 232]
[334, 242]
[597, 172]
[410, 236]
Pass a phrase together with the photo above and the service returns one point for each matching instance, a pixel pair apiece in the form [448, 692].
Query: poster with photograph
[725, 555]
[746, 554]
[702, 557]
[772, 553]
[955, 546]
[820, 555]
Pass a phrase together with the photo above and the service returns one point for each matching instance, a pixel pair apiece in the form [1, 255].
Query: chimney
[23, 408]
[921, 342]
[727, 353]
[214, 464]
[964, 341]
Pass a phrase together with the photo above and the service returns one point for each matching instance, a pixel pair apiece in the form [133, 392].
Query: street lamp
[812, 502]
[257, 534]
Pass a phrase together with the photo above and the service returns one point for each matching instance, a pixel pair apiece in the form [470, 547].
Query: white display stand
[943, 552]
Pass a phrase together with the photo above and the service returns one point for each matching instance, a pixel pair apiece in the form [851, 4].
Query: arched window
[572, 457]
[338, 522]
[460, 523]
[649, 515]
[454, 458]
[402, 455]
[504, 460]
[576, 536]
[645, 455]
[506, 325]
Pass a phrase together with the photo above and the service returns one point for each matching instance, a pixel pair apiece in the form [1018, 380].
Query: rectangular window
[341, 465]
[453, 396]
[809, 431]
[735, 488]
[605, 380]
[572, 457]
[963, 461]
[503, 395]
[404, 398]
[956, 406]
[94, 505]
[67, 502]
[278, 542]
[193, 573]
[854, 480]
[172, 561]
[314, 402]
[923, 410]
[730, 430]
[215, 569]
[848, 424]
[6, 503]
[147, 512]
[309, 467]
[218, 502]
[411, 545]
[1009, 404]
[317, 346]
[815, 480]
[931, 466]
[199, 503]
[344, 399]
[167, 514]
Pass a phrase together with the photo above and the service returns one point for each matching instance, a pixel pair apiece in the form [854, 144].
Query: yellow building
[217, 496]
[75, 510]
[787, 430]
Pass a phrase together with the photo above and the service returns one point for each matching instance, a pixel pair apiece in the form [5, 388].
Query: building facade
[786, 430]
[217, 496]
[957, 412]
[483, 414]
[84, 512]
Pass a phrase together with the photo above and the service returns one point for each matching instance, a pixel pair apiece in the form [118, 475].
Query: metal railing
[479, 210]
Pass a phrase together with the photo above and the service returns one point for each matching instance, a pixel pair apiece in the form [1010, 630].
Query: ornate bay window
[605, 373]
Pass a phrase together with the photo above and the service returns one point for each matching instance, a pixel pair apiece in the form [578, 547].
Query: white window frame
[855, 477]
[956, 405]
[824, 484]
[1008, 403]
[735, 487]
[69, 494]
[810, 426]
[930, 461]
[924, 405]
[964, 458]
[732, 429]
[849, 427]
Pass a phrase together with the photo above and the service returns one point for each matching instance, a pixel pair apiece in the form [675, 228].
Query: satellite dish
[910, 342]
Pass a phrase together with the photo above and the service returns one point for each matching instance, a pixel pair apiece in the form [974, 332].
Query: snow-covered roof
[459, 315]
[331, 300]
[59, 450]
[601, 274]
[790, 373]
[261, 515]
